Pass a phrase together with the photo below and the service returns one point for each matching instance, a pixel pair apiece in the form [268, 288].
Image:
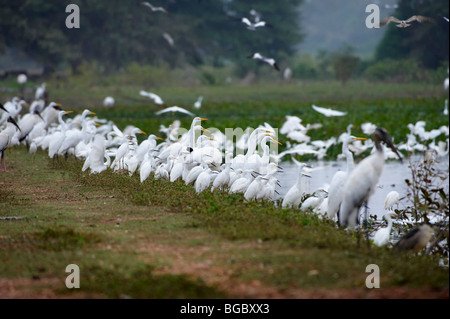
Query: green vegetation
[161, 240]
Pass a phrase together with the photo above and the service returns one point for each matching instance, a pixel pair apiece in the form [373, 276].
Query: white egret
[57, 138]
[173, 109]
[254, 25]
[313, 202]
[328, 112]
[392, 198]
[294, 195]
[154, 97]
[108, 101]
[382, 235]
[198, 103]
[40, 91]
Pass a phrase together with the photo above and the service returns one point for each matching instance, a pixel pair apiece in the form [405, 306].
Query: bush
[398, 71]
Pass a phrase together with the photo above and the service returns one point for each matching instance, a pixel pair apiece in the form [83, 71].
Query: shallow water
[392, 178]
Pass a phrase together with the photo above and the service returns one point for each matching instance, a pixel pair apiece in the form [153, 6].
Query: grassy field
[162, 240]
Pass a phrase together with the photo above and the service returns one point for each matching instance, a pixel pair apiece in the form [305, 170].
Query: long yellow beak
[360, 138]
[203, 119]
[159, 138]
[143, 132]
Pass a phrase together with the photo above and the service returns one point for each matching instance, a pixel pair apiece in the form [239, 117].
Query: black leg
[366, 228]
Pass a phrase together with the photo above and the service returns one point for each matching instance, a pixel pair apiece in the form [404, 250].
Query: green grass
[161, 240]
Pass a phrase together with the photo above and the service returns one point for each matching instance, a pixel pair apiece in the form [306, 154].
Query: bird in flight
[154, 9]
[152, 96]
[269, 61]
[328, 112]
[174, 109]
[254, 25]
[406, 23]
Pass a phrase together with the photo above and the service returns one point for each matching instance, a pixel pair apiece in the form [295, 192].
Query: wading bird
[362, 181]
[336, 189]
[293, 197]
[416, 239]
[382, 235]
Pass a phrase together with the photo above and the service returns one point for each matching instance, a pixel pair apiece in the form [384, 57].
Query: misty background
[315, 39]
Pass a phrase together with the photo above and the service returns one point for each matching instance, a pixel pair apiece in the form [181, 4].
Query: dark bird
[416, 239]
[406, 23]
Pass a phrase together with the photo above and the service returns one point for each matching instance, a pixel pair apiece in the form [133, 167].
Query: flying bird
[269, 61]
[175, 109]
[156, 99]
[154, 9]
[406, 23]
[328, 112]
[168, 38]
[254, 25]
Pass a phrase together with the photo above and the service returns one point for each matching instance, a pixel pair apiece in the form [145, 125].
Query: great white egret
[328, 112]
[173, 109]
[270, 61]
[293, 197]
[154, 97]
[416, 239]
[5, 139]
[362, 181]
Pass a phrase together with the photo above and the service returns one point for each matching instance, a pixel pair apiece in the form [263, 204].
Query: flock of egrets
[209, 161]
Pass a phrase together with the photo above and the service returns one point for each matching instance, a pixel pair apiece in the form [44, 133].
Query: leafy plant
[427, 201]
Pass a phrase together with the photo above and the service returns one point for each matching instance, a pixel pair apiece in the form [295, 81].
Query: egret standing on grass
[362, 181]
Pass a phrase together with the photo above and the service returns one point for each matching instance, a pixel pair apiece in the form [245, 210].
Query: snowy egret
[328, 112]
[382, 235]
